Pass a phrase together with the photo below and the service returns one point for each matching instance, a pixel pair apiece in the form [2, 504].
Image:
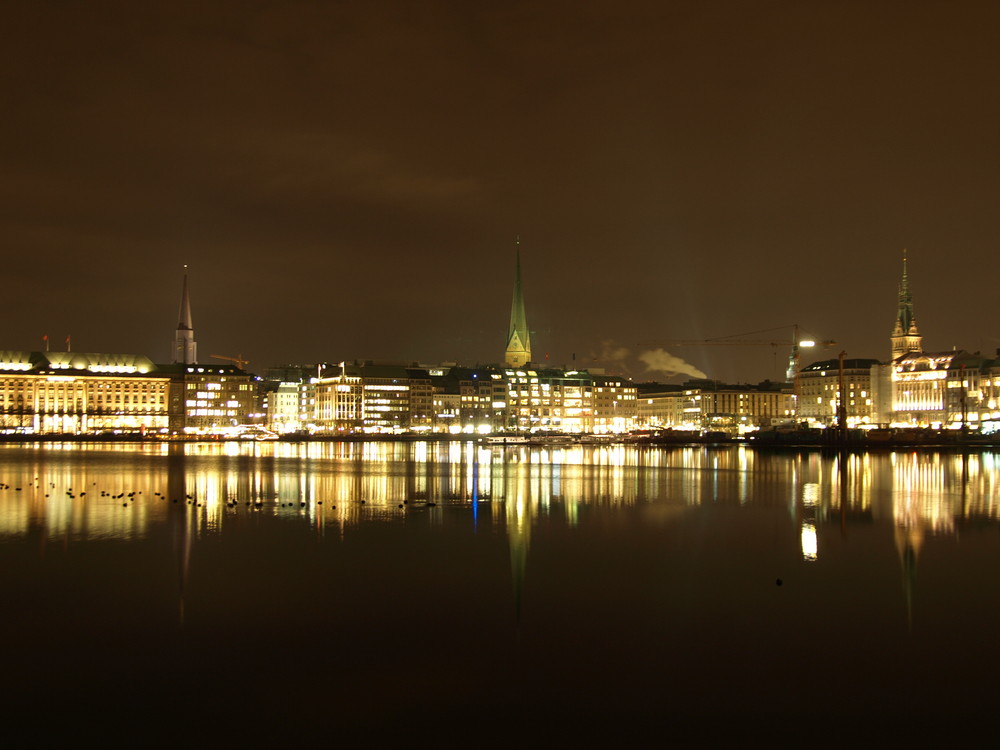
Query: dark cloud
[346, 179]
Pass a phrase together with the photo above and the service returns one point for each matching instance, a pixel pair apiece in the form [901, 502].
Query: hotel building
[82, 393]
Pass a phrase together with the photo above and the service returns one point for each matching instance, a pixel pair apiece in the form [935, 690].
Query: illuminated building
[386, 405]
[421, 416]
[951, 389]
[81, 393]
[337, 402]
[452, 399]
[518, 337]
[818, 388]
[905, 337]
[210, 399]
[614, 405]
[206, 400]
[281, 408]
[657, 406]
[567, 401]
[185, 348]
[708, 405]
[369, 398]
[945, 389]
[548, 400]
[282, 393]
[85, 393]
[466, 399]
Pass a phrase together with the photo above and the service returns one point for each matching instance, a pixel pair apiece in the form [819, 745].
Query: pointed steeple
[905, 335]
[185, 347]
[518, 337]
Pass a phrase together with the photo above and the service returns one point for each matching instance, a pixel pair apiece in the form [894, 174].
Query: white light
[807, 343]
[810, 545]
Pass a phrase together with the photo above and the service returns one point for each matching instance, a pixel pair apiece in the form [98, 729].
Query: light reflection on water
[76, 489]
[575, 582]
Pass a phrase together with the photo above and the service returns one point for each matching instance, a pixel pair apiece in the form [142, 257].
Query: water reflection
[83, 490]
[576, 576]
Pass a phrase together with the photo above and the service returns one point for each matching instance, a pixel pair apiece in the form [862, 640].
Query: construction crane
[237, 360]
[796, 342]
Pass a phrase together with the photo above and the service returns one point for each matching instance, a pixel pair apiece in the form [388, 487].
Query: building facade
[450, 399]
[81, 393]
[819, 395]
[707, 405]
[945, 389]
[76, 393]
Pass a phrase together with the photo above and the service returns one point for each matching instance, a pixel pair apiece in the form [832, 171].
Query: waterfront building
[421, 403]
[518, 353]
[365, 398]
[447, 412]
[285, 393]
[614, 405]
[467, 399]
[548, 399]
[819, 395]
[657, 406]
[718, 407]
[211, 399]
[943, 389]
[880, 377]
[450, 399]
[87, 393]
[281, 407]
[82, 393]
[337, 401]
[951, 389]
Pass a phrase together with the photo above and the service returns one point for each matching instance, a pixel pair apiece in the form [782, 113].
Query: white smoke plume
[610, 352]
[660, 360]
[612, 356]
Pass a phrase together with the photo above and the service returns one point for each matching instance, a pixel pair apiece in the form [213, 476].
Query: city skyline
[349, 180]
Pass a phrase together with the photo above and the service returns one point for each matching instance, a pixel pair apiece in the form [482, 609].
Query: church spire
[905, 336]
[185, 347]
[518, 337]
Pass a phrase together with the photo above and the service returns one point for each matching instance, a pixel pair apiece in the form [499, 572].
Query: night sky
[346, 180]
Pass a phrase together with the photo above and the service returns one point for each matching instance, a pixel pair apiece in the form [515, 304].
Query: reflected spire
[908, 543]
[519, 538]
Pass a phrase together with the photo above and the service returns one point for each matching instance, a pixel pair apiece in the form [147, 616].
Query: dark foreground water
[465, 596]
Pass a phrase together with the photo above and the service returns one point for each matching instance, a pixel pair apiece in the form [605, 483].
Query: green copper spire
[904, 318]
[518, 338]
[905, 336]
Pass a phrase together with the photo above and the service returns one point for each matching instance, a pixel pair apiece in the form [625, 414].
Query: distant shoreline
[929, 441]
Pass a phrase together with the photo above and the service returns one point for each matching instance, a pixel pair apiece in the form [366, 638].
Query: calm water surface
[264, 592]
